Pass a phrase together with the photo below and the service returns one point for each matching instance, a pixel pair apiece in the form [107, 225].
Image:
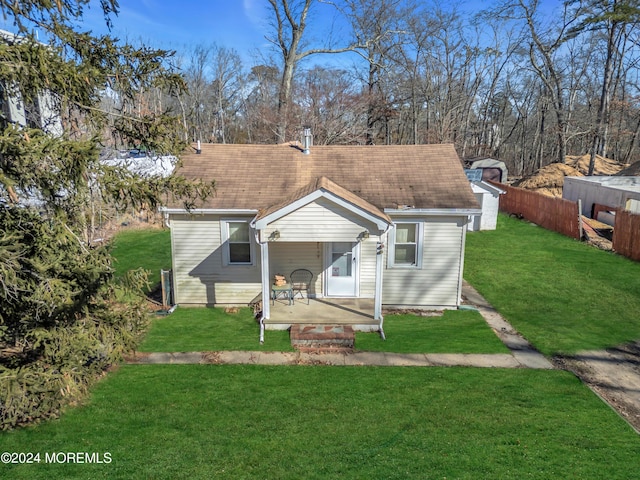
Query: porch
[357, 312]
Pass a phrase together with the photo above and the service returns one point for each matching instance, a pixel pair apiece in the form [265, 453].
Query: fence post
[580, 219]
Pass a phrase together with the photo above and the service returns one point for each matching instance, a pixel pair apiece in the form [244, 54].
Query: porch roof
[384, 176]
[321, 187]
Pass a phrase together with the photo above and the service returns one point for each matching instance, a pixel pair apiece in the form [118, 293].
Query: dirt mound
[632, 170]
[550, 179]
[602, 165]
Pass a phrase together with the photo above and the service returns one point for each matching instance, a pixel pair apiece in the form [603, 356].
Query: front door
[342, 269]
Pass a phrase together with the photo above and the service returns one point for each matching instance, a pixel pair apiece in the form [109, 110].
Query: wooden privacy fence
[552, 213]
[626, 234]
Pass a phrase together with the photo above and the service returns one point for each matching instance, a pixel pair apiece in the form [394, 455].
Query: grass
[317, 422]
[453, 332]
[207, 421]
[562, 295]
[211, 329]
[142, 248]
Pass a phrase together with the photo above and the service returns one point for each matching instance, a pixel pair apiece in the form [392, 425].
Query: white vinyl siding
[368, 249]
[321, 221]
[199, 274]
[436, 284]
[285, 257]
[202, 278]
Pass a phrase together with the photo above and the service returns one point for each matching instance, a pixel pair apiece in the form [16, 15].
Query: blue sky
[238, 24]
[182, 24]
[178, 24]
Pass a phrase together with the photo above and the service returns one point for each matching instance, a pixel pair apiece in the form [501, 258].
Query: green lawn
[456, 331]
[211, 329]
[562, 295]
[209, 421]
[142, 248]
[248, 421]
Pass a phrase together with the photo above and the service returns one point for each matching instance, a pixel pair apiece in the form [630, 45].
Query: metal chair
[301, 282]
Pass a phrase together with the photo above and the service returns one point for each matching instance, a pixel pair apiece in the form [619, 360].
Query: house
[609, 191]
[43, 112]
[384, 223]
[488, 197]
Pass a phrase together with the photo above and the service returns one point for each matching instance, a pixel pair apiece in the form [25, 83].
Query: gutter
[220, 211]
[441, 212]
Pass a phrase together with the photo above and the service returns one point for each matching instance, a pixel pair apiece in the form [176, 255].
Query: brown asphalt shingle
[261, 176]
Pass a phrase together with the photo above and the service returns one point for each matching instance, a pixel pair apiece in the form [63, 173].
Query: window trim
[226, 252]
[391, 263]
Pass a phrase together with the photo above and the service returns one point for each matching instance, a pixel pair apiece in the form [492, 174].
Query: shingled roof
[262, 176]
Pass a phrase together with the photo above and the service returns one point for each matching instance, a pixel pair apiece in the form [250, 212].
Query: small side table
[287, 289]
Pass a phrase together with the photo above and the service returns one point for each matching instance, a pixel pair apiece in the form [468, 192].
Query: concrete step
[322, 337]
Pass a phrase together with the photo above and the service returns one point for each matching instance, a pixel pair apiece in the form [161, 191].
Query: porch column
[377, 298]
[266, 287]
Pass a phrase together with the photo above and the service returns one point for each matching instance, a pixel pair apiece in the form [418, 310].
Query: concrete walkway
[520, 348]
[522, 355]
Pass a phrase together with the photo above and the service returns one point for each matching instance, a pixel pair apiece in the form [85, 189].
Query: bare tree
[290, 22]
[377, 29]
[612, 17]
[227, 85]
[544, 47]
[335, 108]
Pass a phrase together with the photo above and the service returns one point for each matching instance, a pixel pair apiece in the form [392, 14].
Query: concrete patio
[323, 311]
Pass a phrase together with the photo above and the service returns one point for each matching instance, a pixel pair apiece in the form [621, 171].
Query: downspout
[461, 269]
[261, 329]
[167, 223]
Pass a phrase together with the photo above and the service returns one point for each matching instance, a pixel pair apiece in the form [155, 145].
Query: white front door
[341, 269]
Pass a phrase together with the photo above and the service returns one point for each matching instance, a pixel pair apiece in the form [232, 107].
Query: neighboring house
[610, 191]
[488, 197]
[386, 223]
[42, 113]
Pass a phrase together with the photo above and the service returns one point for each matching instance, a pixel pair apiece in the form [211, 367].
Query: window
[406, 245]
[237, 240]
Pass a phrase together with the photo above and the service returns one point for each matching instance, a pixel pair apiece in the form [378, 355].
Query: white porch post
[377, 300]
[266, 287]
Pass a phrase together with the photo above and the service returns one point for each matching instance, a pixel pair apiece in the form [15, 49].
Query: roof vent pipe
[307, 140]
[198, 149]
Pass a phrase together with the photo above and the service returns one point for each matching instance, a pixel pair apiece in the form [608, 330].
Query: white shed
[488, 197]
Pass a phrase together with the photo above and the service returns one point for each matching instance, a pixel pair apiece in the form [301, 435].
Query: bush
[63, 320]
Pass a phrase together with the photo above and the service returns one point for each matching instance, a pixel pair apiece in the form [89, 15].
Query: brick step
[324, 337]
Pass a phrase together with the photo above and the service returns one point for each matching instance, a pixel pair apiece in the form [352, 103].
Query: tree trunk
[598, 143]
